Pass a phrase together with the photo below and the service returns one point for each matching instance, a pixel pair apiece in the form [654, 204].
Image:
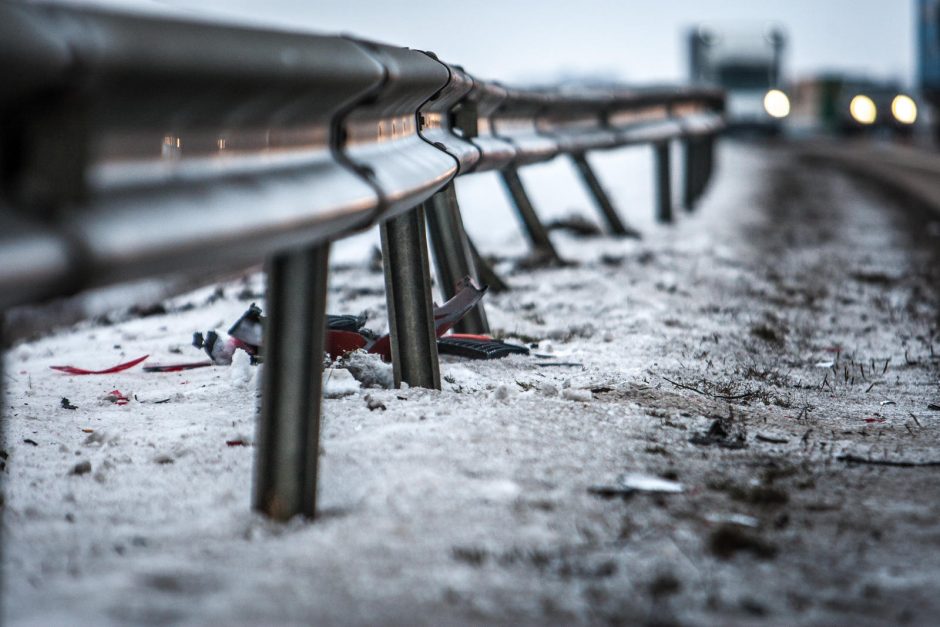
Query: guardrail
[134, 146]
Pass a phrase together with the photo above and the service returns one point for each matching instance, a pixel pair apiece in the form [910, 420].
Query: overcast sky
[523, 41]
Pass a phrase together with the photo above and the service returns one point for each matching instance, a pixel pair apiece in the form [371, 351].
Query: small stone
[574, 394]
[547, 389]
[81, 468]
[373, 403]
[503, 391]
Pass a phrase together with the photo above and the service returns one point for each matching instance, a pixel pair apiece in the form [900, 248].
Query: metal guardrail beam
[111, 137]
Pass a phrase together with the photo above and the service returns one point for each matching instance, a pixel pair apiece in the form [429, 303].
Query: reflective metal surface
[381, 137]
[288, 442]
[452, 254]
[472, 120]
[410, 306]
[663, 182]
[515, 121]
[436, 124]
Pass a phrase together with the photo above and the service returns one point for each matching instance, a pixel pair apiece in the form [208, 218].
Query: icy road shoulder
[734, 359]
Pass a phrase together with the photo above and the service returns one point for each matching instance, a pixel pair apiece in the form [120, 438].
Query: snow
[470, 504]
[646, 483]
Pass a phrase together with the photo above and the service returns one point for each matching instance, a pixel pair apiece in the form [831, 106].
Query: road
[776, 354]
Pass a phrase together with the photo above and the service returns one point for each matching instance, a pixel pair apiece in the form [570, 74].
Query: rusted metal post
[614, 224]
[288, 441]
[663, 182]
[452, 254]
[408, 294]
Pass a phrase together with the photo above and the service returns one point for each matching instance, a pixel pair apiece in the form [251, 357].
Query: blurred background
[627, 41]
[836, 66]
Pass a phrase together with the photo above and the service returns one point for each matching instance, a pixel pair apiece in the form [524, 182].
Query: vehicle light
[904, 109]
[863, 109]
[777, 104]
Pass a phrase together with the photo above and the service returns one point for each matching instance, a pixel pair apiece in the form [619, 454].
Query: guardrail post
[601, 199]
[408, 293]
[663, 182]
[708, 162]
[692, 166]
[538, 234]
[288, 442]
[485, 272]
[452, 253]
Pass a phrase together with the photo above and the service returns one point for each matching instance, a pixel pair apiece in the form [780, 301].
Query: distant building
[928, 54]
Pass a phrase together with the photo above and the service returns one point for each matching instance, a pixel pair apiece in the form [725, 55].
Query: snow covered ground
[790, 321]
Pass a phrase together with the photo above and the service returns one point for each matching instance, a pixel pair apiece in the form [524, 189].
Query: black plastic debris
[478, 347]
[355, 324]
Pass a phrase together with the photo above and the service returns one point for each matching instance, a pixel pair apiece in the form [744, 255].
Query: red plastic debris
[117, 398]
[342, 342]
[236, 443]
[470, 336]
[869, 420]
[112, 369]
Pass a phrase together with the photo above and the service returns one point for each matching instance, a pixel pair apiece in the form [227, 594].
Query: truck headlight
[904, 109]
[863, 109]
[776, 104]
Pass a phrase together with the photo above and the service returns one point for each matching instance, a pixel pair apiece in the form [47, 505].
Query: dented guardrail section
[135, 146]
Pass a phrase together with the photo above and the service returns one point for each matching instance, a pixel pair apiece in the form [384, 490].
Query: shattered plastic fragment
[734, 519]
[477, 347]
[249, 328]
[647, 483]
[347, 334]
[82, 371]
[116, 397]
[631, 483]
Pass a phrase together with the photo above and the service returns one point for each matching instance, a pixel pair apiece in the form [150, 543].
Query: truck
[746, 63]
[844, 104]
